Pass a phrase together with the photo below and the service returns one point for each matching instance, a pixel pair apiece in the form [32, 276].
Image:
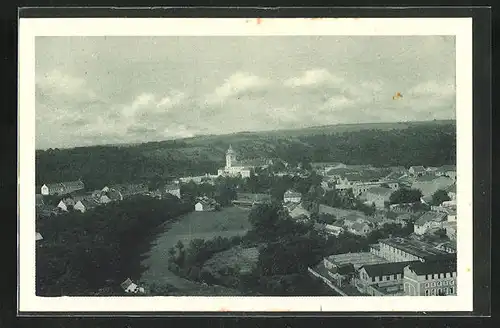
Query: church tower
[230, 156]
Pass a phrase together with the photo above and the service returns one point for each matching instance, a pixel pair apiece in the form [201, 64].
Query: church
[235, 168]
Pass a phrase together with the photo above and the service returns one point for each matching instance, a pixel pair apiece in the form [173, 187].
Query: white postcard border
[32, 27]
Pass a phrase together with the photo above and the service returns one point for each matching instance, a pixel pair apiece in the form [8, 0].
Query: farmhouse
[298, 212]
[249, 199]
[360, 228]
[428, 185]
[291, 196]
[334, 229]
[428, 220]
[129, 190]
[416, 171]
[173, 189]
[61, 188]
[378, 196]
[205, 205]
[85, 205]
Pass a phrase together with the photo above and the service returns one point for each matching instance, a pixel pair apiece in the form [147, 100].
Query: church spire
[230, 149]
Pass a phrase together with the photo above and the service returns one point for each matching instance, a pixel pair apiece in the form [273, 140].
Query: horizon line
[243, 131]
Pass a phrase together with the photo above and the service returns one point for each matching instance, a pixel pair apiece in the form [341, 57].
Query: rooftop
[385, 269]
[356, 259]
[414, 247]
[430, 216]
[380, 191]
[253, 197]
[338, 212]
[431, 267]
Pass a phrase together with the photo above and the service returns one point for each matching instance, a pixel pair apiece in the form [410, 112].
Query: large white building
[233, 168]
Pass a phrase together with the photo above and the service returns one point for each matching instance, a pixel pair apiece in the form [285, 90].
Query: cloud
[313, 77]
[147, 103]
[58, 82]
[433, 88]
[237, 84]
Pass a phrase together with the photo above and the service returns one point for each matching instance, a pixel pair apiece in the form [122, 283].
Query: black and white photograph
[256, 161]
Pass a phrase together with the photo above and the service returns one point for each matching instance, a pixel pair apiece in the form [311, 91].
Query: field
[237, 257]
[229, 222]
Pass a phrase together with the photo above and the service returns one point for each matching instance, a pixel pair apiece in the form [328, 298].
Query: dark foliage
[84, 252]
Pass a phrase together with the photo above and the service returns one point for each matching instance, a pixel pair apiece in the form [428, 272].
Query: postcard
[245, 164]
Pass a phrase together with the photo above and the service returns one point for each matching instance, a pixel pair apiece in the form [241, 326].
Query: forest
[87, 253]
[422, 144]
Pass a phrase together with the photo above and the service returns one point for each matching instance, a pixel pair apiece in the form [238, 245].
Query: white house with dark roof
[377, 195]
[292, 196]
[61, 188]
[429, 220]
[417, 170]
[173, 189]
[85, 205]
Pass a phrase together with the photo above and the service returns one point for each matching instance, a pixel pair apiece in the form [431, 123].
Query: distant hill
[381, 144]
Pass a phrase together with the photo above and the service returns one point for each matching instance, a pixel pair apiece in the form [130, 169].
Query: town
[393, 229]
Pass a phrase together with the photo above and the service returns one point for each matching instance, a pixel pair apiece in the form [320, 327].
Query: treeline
[100, 165]
[93, 252]
[429, 144]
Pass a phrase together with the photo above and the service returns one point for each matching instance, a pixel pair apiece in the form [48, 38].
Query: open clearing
[228, 222]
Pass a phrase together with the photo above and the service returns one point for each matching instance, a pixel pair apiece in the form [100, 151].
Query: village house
[205, 205]
[85, 205]
[291, 196]
[360, 229]
[428, 185]
[334, 229]
[173, 189]
[249, 199]
[38, 236]
[129, 287]
[66, 204]
[402, 250]
[416, 171]
[452, 191]
[377, 195]
[448, 247]
[45, 211]
[451, 229]
[429, 220]
[61, 188]
[381, 279]
[432, 278]
[129, 190]
[298, 212]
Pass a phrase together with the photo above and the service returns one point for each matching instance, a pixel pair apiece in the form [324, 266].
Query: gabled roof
[66, 185]
[38, 236]
[430, 216]
[172, 186]
[418, 168]
[435, 266]
[89, 203]
[299, 211]
[253, 197]
[359, 226]
[380, 191]
[446, 168]
[385, 269]
[291, 193]
[126, 283]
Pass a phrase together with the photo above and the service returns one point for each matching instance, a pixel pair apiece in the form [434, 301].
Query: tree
[403, 196]
[439, 197]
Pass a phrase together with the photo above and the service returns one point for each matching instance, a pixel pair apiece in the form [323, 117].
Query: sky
[108, 90]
